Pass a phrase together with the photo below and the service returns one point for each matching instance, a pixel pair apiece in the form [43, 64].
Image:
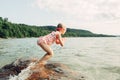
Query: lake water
[96, 58]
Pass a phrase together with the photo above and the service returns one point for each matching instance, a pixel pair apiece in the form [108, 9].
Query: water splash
[25, 73]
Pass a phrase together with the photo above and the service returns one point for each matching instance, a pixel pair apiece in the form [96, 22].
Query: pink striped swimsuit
[48, 39]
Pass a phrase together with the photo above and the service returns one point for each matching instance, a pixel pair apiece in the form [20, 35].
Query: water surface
[96, 58]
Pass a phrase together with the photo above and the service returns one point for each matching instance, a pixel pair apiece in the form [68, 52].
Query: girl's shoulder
[57, 32]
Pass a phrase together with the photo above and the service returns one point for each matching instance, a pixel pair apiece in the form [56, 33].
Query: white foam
[25, 73]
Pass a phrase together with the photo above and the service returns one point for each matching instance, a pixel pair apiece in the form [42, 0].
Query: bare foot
[38, 65]
[42, 62]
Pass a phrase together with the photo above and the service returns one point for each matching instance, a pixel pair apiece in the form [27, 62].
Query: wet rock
[49, 71]
[13, 68]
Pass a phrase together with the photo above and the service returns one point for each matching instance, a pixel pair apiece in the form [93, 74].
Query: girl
[46, 41]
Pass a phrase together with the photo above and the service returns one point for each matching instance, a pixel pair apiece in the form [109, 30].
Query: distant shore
[14, 30]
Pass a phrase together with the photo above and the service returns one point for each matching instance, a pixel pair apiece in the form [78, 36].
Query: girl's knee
[51, 54]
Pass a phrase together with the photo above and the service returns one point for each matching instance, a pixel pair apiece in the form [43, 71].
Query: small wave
[25, 73]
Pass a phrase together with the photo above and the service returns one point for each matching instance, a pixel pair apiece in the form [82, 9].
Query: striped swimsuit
[48, 39]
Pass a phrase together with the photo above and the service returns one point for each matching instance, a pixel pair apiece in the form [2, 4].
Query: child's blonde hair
[60, 26]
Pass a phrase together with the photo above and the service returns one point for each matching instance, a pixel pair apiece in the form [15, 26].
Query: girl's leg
[49, 53]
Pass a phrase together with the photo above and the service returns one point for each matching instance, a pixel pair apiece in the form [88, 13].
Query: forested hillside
[13, 30]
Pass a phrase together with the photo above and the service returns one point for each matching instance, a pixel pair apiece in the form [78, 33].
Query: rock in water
[13, 68]
[26, 69]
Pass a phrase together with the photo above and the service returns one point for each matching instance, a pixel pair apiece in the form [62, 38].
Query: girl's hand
[58, 42]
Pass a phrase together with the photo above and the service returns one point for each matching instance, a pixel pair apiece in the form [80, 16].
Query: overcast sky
[98, 16]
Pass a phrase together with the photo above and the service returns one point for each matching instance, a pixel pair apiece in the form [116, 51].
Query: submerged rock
[49, 71]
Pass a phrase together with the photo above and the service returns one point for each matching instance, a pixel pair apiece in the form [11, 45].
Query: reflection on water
[97, 58]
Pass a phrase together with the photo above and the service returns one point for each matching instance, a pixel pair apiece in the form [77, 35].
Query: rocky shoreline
[50, 71]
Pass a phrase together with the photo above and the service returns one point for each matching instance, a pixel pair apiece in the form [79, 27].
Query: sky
[97, 16]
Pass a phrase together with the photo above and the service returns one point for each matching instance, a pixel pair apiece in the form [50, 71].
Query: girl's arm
[59, 40]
